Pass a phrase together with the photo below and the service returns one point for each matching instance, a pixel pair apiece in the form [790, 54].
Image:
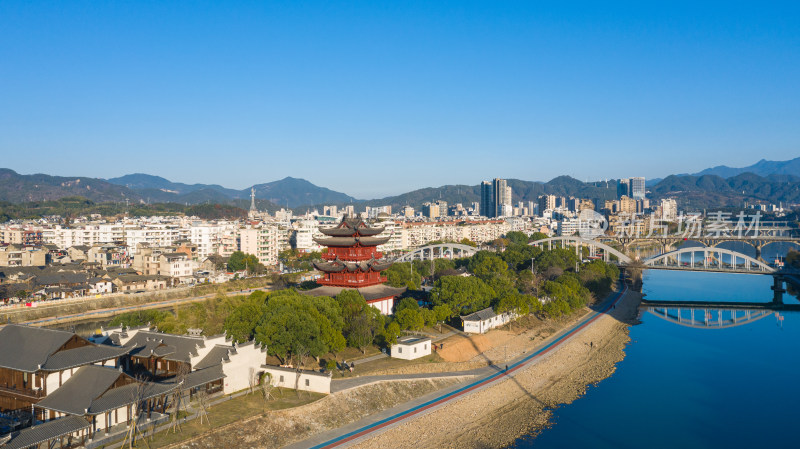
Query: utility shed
[411, 347]
[484, 320]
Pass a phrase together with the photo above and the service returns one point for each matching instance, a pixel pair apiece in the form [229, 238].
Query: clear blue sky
[406, 94]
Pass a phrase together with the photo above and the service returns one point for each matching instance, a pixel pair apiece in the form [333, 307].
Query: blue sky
[376, 98]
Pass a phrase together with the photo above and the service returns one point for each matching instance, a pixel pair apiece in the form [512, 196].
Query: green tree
[392, 332]
[410, 319]
[485, 265]
[443, 312]
[517, 238]
[403, 275]
[406, 303]
[292, 326]
[240, 261]
[428, 317]
[463, 295]
[468, 242]
[240, 325]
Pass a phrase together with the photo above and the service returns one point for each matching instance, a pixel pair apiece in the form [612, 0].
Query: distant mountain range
[760, 168]
[287, 192]
[772, 181]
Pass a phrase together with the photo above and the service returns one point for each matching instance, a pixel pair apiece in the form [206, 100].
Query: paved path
[364, 428]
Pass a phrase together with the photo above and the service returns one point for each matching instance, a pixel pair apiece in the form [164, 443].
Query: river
[692, 387]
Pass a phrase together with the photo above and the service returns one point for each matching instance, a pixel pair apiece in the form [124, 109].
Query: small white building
[484, 320]
[411, 347]
[300, 380]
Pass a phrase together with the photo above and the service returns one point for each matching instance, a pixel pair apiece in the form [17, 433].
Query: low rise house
[104, 397]
[109, 255]
[35, 362]
[22, 256]
[303, 380]
[99, 286]
[210, 363]
[137, 283]
[177, 266]
[411, 347]
[484, 320]
[78, 252]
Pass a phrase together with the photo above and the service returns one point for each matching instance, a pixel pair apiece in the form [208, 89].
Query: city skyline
[240, 96]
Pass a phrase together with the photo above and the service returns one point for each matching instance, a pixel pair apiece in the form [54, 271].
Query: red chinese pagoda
[353, 261]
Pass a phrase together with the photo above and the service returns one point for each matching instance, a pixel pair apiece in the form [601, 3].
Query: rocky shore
[497, 415]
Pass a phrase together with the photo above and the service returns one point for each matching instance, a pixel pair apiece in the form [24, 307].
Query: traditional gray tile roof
[33, 436]
[76, 395]
[30, 349]
[61, 278]
[73, 358]
[135, 278]
[480, 315]
[89, 392]
[216, 356]
[202, 377]
[26, 348]
[122, 396]
[178, 347]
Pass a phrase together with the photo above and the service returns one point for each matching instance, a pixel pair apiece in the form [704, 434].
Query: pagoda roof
[337, 266]
[370, 293]
[350, 227]
[352, 241]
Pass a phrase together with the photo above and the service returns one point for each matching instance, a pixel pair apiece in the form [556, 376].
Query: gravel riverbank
[496, 416]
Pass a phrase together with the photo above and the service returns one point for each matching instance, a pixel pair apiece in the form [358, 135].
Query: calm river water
[693, 388]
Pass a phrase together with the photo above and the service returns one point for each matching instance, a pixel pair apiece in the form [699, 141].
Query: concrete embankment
[520, 405]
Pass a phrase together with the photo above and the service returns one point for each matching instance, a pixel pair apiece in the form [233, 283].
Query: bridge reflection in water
[709, 318]
[714, 314]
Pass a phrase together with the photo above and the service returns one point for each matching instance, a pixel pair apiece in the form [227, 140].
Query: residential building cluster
[151, 253]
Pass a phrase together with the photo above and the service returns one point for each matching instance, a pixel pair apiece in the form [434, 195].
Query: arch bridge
[758, 243]
[579, 242]
[442, 250]
[699, 258]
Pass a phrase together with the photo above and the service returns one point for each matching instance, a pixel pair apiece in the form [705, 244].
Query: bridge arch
[450, 250]
[712, 258]
[572, 239]
[784, 247]
[708, 318]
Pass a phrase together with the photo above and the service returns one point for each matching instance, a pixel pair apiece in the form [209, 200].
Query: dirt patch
[461, 348]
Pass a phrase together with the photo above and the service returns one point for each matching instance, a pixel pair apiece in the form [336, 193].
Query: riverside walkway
[487, 376]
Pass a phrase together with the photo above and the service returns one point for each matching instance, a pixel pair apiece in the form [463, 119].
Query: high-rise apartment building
[631, 187]
[487, 199]
[546, 202]
[496, 199]
[637, 188]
